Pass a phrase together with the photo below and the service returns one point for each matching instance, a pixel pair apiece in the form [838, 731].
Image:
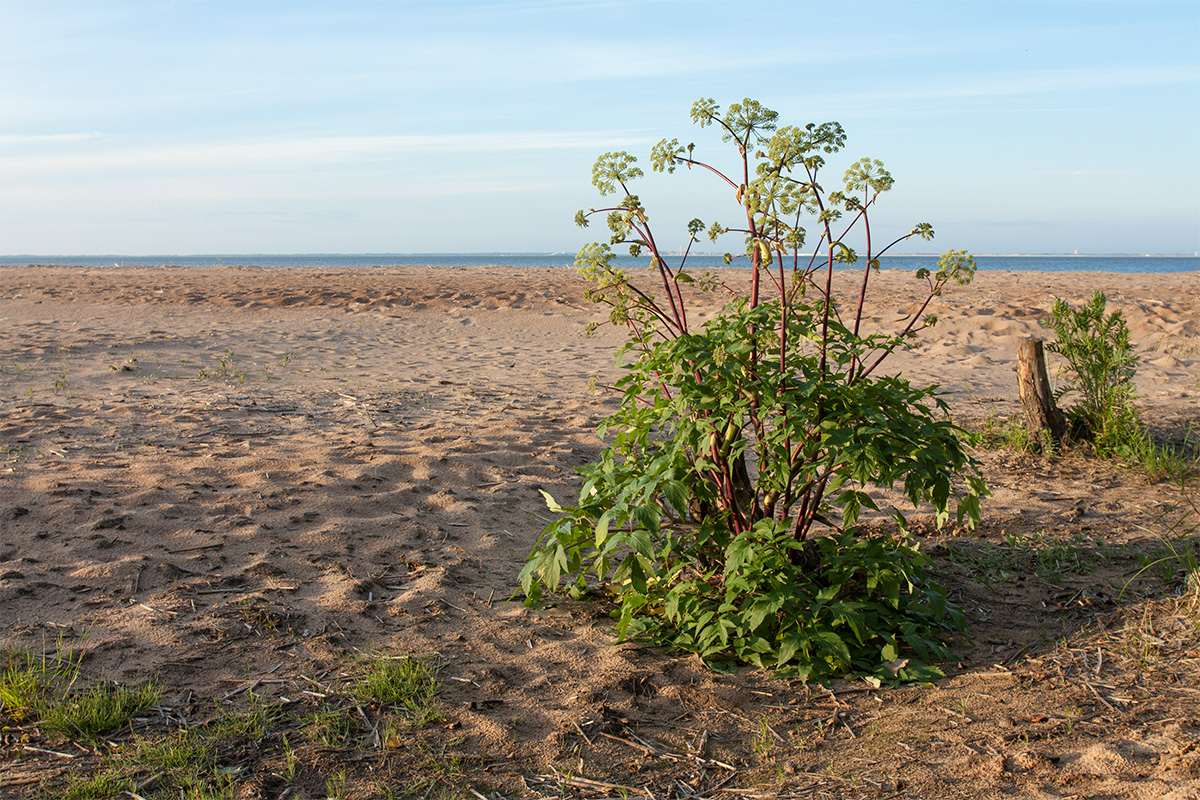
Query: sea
[1011, 263]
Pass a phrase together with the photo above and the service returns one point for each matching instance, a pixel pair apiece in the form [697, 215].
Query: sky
[454, 126]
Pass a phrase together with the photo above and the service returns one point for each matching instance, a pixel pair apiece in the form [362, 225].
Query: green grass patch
[408, 684]
[1015, 555]
[98, 710]
[46, 689]
[29, 683]
[1001, 433]
[374, 705]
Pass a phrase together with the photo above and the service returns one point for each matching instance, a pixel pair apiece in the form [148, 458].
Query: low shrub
[1099, 365]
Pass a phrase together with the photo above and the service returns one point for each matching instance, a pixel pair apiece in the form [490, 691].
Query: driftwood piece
[1043, 419]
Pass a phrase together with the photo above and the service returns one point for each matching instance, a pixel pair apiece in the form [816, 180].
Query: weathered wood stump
[1043, 419]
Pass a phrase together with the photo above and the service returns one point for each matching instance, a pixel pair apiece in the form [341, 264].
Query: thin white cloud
[19, 139]
[1071, 80]
[273, 153]
[1102, 172]
[1015, 84]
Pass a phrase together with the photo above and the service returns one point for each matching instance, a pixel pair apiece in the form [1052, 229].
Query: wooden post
[1043, 419]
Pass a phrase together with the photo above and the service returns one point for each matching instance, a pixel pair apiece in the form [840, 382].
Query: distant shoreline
[695, 261]
[11, 259]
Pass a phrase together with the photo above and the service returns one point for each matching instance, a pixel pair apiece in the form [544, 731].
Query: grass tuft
[406, 682]
[28, 682]
[45, 689]
[97, 711]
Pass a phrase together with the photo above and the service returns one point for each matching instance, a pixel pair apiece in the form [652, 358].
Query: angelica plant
[723, 515]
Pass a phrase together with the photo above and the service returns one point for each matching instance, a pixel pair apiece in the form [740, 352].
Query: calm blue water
[1010, 263]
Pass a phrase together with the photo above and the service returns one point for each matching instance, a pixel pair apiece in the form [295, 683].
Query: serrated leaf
[740, 551]
[648, 515]
[677, 495]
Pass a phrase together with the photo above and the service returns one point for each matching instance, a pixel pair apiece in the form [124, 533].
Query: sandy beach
[226, 475]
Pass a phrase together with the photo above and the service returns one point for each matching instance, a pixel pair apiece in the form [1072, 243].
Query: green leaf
[601, 528]
[740, 551]
[789, 645]
[677, 494]
[637, 578]
[833, 643]
[551, 503]
[762, 608]
[648, 515]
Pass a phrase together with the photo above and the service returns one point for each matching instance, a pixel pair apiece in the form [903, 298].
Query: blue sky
[169, 127]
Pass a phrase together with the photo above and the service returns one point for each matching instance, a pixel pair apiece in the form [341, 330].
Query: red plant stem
[808, 270]
[784, 308]
[828, 235]
[862, 294]
[711, 169]
[825, 315]
[667, 279]
[678, 291]
[653, 307]
[756, 256]
[664, 271]
[905, 332]
[647, 239]
[755, 268]
[801, 524]
[811, 505]
[933, 289]
[725, 486]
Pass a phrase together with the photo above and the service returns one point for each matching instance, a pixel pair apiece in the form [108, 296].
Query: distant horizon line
[542, 253]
